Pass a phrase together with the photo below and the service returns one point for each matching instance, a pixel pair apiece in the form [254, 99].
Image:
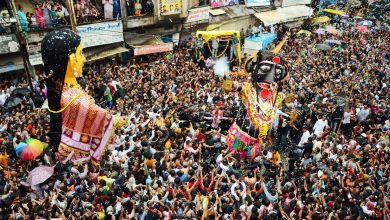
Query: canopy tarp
[285, 14]
[322, 19]
[106, 53]
[207, 35]
[333, 11]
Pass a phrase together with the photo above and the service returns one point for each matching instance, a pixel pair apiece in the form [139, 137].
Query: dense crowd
[328, 159]
[51, 14]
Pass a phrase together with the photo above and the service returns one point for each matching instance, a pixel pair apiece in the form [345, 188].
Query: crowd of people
[171, 161]
[49, 14]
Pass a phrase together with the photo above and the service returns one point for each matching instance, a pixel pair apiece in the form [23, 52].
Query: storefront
[10, 57]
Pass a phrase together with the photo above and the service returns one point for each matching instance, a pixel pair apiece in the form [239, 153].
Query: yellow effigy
[78, 126]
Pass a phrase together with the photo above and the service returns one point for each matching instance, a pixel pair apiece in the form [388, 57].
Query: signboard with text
[198, 14]
[255, 3]
[100, 33]
[170, 7]
[150, 49]
[8, 44]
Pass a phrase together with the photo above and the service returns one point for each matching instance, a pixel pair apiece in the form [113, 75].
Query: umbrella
[366, 23]
[12, 101]
[324, 47]
[322, 19]
[336, 12]
[20, 91]
[331, 41]
[362, 28]
[304, 32]
[338, 49]
[320, 31]
[39, 175]
[29, 150]
[332, 30]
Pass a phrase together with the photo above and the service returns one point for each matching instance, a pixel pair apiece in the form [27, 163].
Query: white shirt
[304, 138]
[275, 121]
[347, 118]
[319, 127]
[363, 114]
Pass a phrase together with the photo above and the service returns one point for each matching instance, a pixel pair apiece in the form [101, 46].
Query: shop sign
[198, 14]
[286, 3]
[100, 33]
[170, 7]
[35, 59]
[150, 49]
[8, 44]
[254, 3]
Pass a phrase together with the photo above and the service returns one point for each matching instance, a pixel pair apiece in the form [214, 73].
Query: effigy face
[266, 68]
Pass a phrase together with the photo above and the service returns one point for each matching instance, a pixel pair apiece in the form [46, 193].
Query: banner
[8, 44]
[170, 7]
[286, 3]
[100, 33]
[217, 3]
[198, 14]
[254, 3]
[149, 49]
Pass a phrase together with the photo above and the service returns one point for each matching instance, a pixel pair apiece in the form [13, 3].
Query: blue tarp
[264, 38]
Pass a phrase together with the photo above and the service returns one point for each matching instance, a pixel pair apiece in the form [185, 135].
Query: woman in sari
[39, 16]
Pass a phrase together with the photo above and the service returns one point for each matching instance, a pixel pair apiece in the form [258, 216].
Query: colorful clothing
[87, 129]
[253, 121]
[241, 142]
[23, 20]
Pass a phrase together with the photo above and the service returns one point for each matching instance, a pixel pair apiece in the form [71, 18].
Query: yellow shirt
[168, 145]
[109, 181]
[4, 161]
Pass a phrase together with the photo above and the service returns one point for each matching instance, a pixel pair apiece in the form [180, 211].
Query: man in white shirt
[305, 136]
[272, 29]
[346, 122]
[320, 126]
[363, 113]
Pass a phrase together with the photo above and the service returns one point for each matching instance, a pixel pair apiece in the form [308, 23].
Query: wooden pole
[72, 16]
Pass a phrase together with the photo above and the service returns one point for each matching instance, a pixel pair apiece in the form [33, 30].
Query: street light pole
[21, 40]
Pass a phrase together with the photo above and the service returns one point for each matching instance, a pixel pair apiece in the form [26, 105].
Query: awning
[286, 14]
[11, 62]
[150, 49]
[106, 53]
[230, 12]
[137, 39]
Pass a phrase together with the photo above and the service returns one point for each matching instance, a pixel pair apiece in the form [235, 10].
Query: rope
[67, 105]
